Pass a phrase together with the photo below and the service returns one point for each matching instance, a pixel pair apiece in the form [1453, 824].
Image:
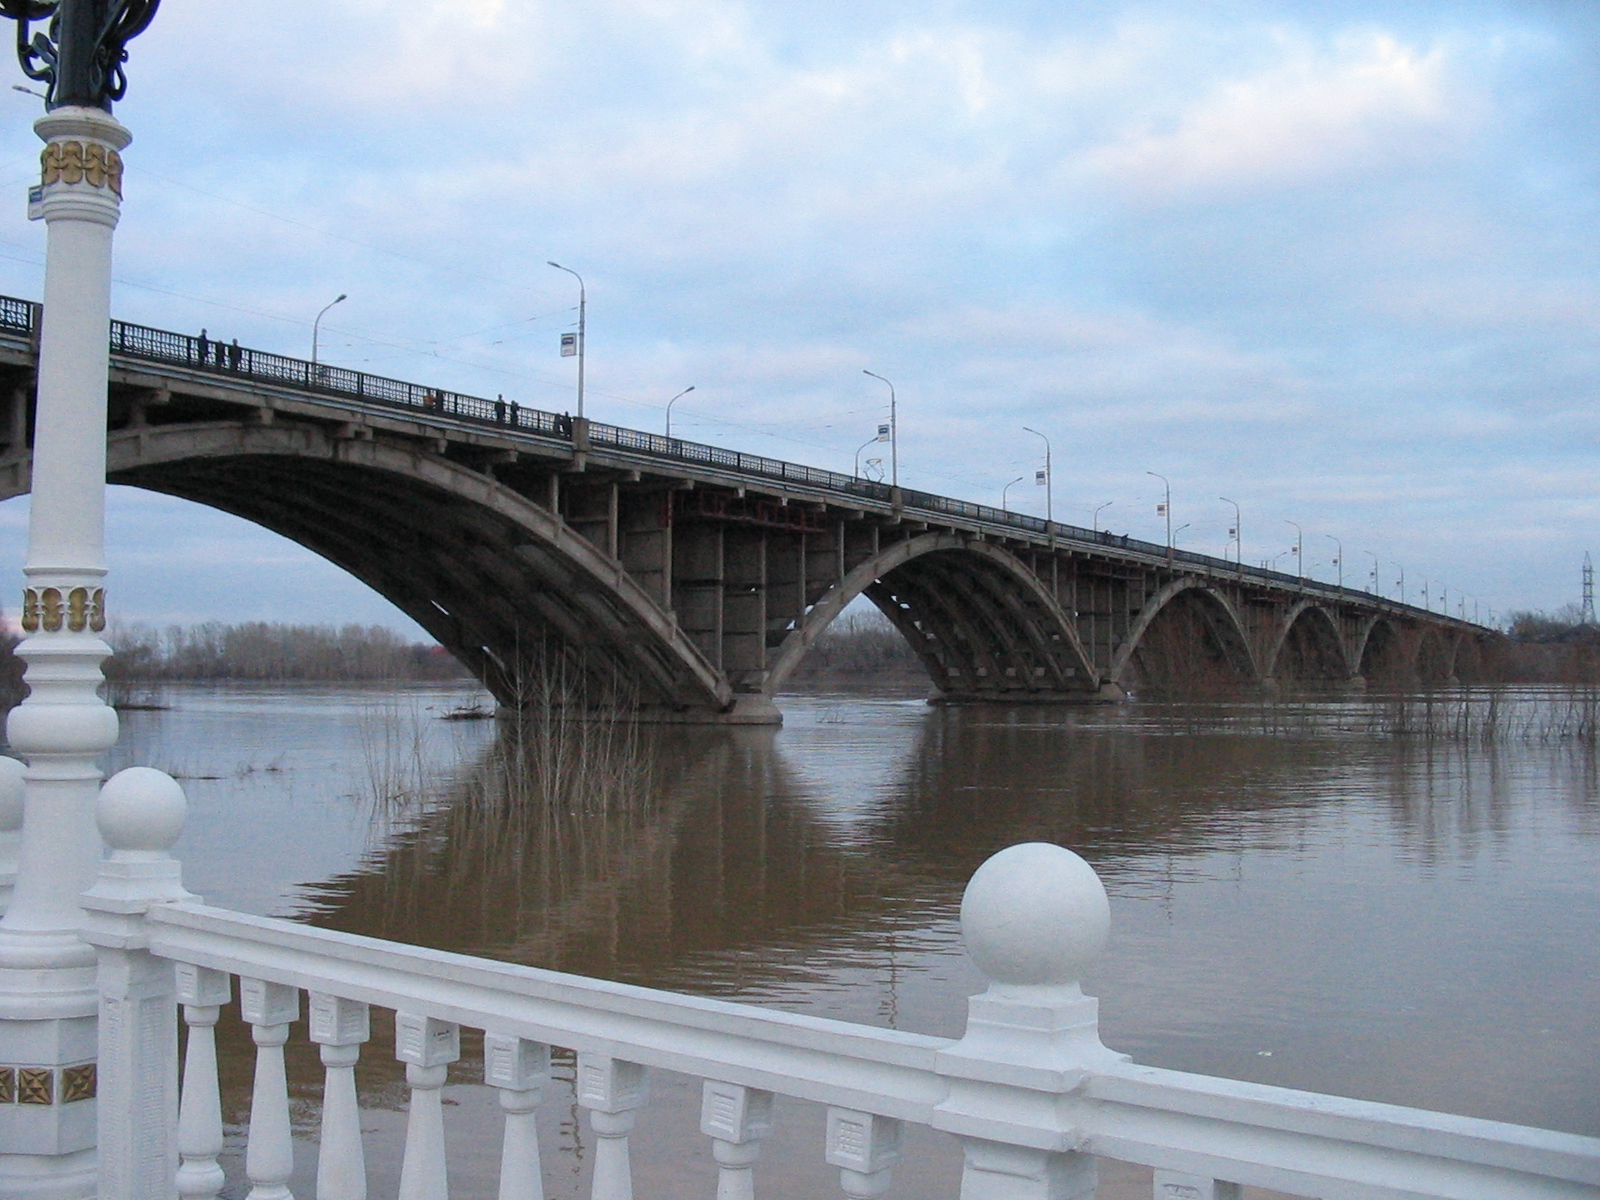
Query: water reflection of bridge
[700, 574]
[735, 866]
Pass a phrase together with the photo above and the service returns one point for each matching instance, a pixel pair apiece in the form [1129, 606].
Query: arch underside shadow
[501, 583]
[1382, 655]
[1187, 639]
[1310, 649]
[981, 624]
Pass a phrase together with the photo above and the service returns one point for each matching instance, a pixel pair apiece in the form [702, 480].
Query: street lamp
[1376, 585]
[1299, 550]
[673, 401]
[48, 993]
[1338, 560]
[894, 431]
[1049, 481]
[1096, 521]
[583, 314]
[1005, 491]
[1402, 582]
[316, 326]
[1237, 531]
[1166, 507]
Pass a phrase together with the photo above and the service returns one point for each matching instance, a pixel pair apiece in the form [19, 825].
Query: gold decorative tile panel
[36, 1085]
[8, 1085]
[78, 1083]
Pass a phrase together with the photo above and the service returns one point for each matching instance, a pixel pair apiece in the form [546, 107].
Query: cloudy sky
[1333, 260]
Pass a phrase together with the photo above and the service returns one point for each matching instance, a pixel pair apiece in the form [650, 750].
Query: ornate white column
[48, 997]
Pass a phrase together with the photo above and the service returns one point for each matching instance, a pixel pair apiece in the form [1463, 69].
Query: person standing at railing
[235, 354]
[500, 410]
[204, 345]
[516, 415]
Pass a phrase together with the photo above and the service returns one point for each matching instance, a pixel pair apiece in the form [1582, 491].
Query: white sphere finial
[142, 810]
[1035, 915]
[10, 795]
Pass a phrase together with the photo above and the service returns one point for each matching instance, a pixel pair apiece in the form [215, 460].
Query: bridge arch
[979, 620]
[1220, 617]
[497, 579]
[1309, 641]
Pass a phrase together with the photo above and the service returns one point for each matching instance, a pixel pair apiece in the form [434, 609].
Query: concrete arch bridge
[698, 576]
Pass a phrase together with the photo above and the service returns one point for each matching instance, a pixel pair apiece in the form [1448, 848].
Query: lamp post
[1377, 587]
[1049, 482]
[1402, 580]
[1238, 532]
[583, 315]
[1006, 491]
[48, 995]
[673, 401]
[1299, 550]
[1096, 519]
[316, 326]
[894, 431]
[1166, 507]
[1338, 560]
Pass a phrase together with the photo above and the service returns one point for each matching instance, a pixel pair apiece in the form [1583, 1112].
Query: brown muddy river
[1394, 901]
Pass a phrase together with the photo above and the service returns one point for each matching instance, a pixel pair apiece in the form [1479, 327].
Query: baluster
[202, 992]
[735, 1118]
[1175, 1185]
[270, 1008]
[340, 1026]
[519, 1069]
[864, 1146]
[611, 1090]
[427, 1046]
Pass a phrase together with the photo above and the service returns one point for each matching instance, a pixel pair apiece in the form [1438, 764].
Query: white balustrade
[340, 1027]
[427, 1046]
[865, 1148]
[269, 1008]
[519, 1069]
[612, 1091]
[736, 1118]
[202, 994]
[1029, 1091]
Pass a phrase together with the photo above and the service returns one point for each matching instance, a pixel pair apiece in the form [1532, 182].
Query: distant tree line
[268, 652]
[860, 650]
[260, 651]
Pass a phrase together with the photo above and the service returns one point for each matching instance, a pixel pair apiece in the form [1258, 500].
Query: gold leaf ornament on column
[80, 162]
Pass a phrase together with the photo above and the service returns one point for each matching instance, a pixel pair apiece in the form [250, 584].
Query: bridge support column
[48, 996]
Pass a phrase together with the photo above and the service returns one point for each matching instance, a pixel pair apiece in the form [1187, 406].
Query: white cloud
[1317, 111]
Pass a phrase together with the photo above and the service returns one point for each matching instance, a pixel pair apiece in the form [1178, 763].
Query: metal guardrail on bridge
[233, 360]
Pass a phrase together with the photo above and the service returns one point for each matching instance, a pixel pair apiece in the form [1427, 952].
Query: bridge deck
[142, 351]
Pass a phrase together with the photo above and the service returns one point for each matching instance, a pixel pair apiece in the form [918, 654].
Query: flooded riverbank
[1301, 894]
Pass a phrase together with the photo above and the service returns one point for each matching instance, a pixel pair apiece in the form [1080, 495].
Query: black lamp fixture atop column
[79, 54]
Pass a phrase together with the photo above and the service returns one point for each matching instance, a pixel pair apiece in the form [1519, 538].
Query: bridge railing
[235, 361]
[1029, 1091]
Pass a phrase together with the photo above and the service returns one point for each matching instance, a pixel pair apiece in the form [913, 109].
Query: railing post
[340, 1027]
[865, 1148]
[519, 1069]
[612, 1091]
[1174, 1185]
[427, 1046]
[1033, 917]
[736, 1119]
[140, 814]
[269, 1009]
[202, 993]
